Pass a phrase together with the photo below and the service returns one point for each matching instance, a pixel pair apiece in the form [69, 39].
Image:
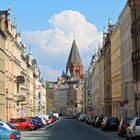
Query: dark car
[98, 121]
[89, 120]
[39, 121]
[36, 123]
[93, 121]
[125, 122]
[111, 123]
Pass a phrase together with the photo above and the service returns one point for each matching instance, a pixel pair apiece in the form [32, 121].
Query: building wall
[135, 33]
[9, 76]
[61, 101]
[23, 87]
[2, 77]
[107, 78]
[115, 71]
[17, 72]
[88, 93]
[126, 62]
[101, 85]
[95, 89]
[51, 100]
[30, 87]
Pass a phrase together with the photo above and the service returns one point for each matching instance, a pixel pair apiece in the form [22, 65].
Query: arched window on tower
[77, 72]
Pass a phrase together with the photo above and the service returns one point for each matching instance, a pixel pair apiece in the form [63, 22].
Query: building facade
[107, 69]
[17, 91]
[115, 71]
[95, 89]
[2, 75]
[127, 93]
[135, 33]
[101, 83]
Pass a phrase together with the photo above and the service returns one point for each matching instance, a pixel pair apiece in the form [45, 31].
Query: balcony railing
[19, 98]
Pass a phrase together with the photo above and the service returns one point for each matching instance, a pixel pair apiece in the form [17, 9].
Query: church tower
[74, 63]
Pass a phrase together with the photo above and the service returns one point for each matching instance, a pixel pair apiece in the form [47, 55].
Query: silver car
[133, 131]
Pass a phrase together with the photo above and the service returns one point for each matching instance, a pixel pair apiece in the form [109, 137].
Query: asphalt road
[69, 130]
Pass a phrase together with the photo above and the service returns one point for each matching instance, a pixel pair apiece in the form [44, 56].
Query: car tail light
[12, 136]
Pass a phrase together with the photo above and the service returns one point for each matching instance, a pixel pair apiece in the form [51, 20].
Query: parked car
[8, 131]
[39, 120]
[23, 124]
[125, 122]
[7, 125]
[93, 121]
[56, 115]
[82, 117]
[98, 121]
[86, 121]
[47, 117]
[133, 131]
[45, 122]
[89, 120]
[36, 123]
[110, 123]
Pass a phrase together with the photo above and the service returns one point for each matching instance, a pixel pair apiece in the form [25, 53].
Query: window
[39, 95]
[10, 125]
[135, 72]
[22, 120]
[1, 124]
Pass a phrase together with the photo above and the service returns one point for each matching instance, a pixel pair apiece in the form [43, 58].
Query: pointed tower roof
[63, 74]
[30, 51]
[68, 73]
[74, 56]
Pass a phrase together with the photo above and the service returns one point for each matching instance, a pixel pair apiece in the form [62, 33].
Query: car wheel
[27, 128]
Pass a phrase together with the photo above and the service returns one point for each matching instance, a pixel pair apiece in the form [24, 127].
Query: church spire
[74, 63]
[74, 56]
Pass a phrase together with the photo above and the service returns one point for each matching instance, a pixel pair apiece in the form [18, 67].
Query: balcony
[19, 98]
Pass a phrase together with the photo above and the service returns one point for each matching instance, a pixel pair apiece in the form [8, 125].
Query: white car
[133, 131]
[7, 125]
[82, 117]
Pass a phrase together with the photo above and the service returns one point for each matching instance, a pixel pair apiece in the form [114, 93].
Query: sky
[49, 27]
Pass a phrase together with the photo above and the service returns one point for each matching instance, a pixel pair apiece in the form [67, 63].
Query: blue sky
[34, 14]
[55, 19]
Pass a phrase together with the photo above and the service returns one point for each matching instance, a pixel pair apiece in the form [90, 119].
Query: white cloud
[51, 46]
[51, 73]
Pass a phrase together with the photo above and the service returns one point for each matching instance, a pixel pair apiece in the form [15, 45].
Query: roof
[74, 56]
[68, 73]
[63, 74]
[3, 12]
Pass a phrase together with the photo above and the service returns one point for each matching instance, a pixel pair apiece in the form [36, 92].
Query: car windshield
[113, 120]
[127, 121]
[10, 125]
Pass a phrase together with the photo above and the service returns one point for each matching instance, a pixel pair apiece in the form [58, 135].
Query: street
[68, 129]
